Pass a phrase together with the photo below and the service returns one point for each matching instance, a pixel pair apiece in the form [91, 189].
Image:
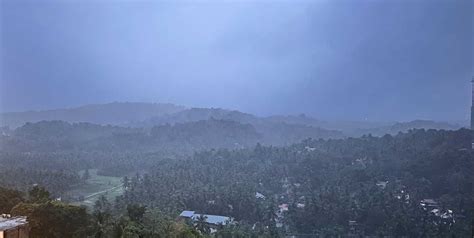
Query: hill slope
[406, 126]
[112, 113]
[56, 136]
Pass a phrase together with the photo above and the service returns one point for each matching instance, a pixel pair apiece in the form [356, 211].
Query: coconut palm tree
[201, 225]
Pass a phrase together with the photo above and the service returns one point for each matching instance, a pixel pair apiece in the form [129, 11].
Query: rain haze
[236, 118]
[337, 60]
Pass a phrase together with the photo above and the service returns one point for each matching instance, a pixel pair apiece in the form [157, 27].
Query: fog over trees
[236, 119]
[273, 176]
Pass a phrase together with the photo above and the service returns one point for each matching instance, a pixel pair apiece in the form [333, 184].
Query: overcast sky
[356, 59]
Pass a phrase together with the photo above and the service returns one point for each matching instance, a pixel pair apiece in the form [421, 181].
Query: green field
[86, 194]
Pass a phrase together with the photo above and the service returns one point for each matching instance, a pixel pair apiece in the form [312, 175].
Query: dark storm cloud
[376, 60]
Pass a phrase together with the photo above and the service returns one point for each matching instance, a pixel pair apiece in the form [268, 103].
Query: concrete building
[13, 227]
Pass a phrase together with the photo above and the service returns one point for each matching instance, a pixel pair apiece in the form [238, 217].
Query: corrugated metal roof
[187, 214]
[9, 223]
[213, 219]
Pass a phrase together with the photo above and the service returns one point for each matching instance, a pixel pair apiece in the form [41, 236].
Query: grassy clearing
[95, 186]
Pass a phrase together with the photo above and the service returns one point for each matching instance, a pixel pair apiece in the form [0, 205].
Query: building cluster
[445, 216]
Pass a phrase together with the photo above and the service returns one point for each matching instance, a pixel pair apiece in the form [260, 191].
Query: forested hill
[185, 137]
[111, 113]
[282, 131]
[375, 182]
[367, 186]
[296, 122]
[147, 115]
[198, 114]
[50, 136]
[405, 126]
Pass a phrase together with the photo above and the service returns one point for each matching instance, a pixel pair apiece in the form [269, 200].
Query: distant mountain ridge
[277, 128]
[183, 121]
[115, 113]
[406, 126]
[198, 114]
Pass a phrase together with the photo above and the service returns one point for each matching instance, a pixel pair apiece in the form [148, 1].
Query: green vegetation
[23, 178]
[54, 219]
[49, 218]
[326, 184]
[111, 181]
[94, 187]
[8, 199]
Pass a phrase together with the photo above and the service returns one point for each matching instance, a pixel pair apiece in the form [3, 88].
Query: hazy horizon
[236, 118]
[454, 122]
[334, 60]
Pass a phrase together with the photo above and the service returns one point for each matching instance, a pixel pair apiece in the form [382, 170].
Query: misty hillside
[207, 133]
[297, 127]
[359, 128]
[50, 136]
[301, 119]
[183, 137]
[373, 180]
[277, 129]
[112, 113]
[323, 183]
[424, 124]
[406, 126]
[198, 114]
[293, 119]
[142, 115]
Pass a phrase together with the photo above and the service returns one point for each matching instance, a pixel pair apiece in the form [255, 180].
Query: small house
[13, 227]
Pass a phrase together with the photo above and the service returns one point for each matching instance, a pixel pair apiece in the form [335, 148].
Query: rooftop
[428, 201]
[188, 214]
[213, 219]
[9, 223]
[259, 195]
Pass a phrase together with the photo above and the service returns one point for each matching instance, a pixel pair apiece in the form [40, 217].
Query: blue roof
[213, 219]
[187, 214]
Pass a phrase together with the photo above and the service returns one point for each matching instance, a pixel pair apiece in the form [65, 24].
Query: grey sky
[376, 60]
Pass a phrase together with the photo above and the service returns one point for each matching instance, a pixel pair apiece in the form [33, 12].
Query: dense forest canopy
[325, 183]
[273, 176]
[236, 119]
[180, 137]
[328, 187]
[147, 115]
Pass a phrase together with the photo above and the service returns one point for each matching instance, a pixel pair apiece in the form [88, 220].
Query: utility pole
[472, 104]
